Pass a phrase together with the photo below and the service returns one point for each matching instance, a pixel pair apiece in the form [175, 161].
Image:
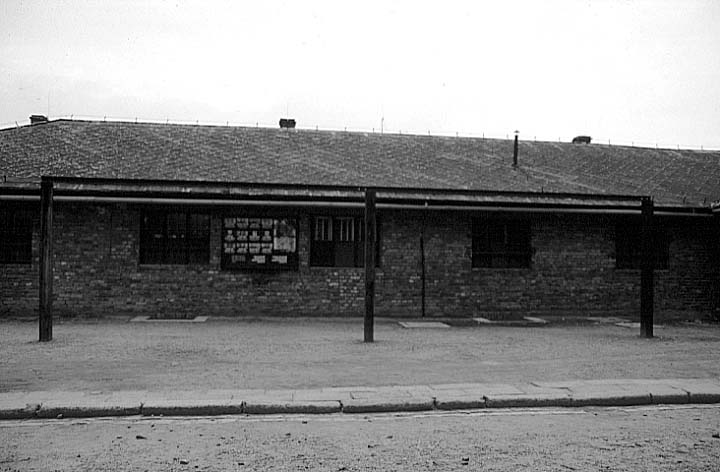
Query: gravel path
[308, 353]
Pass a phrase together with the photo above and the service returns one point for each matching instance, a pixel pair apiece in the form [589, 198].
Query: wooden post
[422, 263]
[422, 275]
[369, 265]
[46, 259]
[647, 265]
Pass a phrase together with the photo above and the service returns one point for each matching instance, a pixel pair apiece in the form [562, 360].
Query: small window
[15, 236]
[323, 229]
[501, 243]
[347, 229]
[174, 238]
[340, 242]
[628, 246]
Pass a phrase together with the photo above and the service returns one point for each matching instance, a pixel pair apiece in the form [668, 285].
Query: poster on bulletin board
[259, 243]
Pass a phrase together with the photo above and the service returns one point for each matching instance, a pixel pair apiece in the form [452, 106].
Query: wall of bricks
[573, 272]
[19, 283]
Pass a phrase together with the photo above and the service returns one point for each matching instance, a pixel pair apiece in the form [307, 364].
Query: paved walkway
[112, 367]
[621, 392]
[114, 355]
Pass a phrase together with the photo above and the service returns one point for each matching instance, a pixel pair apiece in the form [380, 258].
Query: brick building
[183, 220]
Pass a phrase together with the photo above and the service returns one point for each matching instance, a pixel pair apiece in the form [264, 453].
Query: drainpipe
[422, 262]
[647, 281]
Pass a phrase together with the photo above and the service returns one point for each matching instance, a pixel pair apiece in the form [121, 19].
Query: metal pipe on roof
[276, 203]
[391, 206]
[97, 184]
[197, 201]
[333, 204]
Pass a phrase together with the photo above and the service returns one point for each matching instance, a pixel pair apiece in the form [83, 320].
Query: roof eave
[236, 193]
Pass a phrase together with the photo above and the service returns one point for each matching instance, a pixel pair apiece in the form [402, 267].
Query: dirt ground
[681, 438]
[112, 354]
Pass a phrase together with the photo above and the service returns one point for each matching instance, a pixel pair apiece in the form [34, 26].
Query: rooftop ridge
[372, 132]
[238, 153]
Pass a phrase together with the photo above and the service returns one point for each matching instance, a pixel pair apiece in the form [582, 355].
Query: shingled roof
[122, 150]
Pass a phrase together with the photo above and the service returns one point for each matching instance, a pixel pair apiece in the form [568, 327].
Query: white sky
[642, 71]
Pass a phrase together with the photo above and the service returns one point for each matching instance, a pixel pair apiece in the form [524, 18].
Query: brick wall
[572, 272]
[19, 283]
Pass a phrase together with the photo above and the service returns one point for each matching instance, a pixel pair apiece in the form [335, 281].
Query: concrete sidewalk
[290, 354]
[577, 393]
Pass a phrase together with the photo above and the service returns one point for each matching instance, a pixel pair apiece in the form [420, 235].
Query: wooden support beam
[422, 275]
[46, 259]
[647, 266]
[370, 235]
[423, 290]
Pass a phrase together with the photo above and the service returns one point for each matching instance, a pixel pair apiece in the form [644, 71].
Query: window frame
[345, 246]
[16, 233]
[513, 252]
[183, 240]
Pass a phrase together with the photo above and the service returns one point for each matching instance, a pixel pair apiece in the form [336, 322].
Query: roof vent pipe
[287, 123]
[35, 119]
[515, 149]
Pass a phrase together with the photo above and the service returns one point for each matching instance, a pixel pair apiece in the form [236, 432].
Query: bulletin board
[259, 243]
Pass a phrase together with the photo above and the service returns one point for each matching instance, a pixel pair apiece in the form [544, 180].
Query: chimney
[36, 119]
[581, 140]
[515, 149]
[287, 123]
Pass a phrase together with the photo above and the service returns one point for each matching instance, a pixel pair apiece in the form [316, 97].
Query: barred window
[174, 238]
[501, 243]
[347, 229]
[323, 228]
[340, 242]
[15, 236]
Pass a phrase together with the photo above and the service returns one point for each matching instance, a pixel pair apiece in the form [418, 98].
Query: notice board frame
[260, 242]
